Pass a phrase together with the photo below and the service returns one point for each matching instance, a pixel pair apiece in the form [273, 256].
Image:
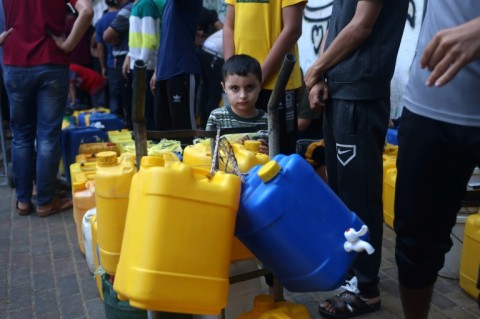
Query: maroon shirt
[30, 44]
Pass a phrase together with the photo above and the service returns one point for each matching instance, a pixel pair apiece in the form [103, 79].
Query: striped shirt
[224, 117]
[144, 36]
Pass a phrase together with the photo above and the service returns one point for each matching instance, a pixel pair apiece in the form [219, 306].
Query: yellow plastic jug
[470, 262]
[178, 238]
[112, 183]
[83, 195]
[264, 307]
[388, 196]
[247, 155]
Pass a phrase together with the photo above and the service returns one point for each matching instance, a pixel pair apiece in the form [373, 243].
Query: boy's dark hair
[242, 64]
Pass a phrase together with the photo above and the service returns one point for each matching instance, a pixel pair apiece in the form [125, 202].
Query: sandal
[57, 205]
[24, 211]
[348, 305]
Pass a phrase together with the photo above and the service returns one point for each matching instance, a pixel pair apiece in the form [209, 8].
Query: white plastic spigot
[354, 243]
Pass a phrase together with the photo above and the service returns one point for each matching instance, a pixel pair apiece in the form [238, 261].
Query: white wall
[315, 22]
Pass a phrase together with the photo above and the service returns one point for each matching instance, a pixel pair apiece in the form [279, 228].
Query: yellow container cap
[252, 145]
[107, 158]
[151, 161]
[269, 171]
[263, 303]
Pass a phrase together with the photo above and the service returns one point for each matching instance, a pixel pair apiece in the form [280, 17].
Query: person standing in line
[211, 63]
[117, 35]
[36, 78]
[106, 58]
[351, 80]
[174, 81]
[143, 43]
[439, 146]
[268, 30]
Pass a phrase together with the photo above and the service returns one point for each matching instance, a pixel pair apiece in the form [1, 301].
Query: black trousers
[175, 103]
[434, 163]
[210, 85]
[354, 135]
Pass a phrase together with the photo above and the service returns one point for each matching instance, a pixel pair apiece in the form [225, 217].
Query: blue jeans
[37, 98]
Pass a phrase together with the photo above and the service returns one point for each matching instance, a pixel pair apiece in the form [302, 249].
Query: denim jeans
[37, 98]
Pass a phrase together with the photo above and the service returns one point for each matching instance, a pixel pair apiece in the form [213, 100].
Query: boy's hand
[263, 146]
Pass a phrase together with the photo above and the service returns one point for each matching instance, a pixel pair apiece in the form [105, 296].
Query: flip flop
[23, 211]
[348, 305]
[57, 205]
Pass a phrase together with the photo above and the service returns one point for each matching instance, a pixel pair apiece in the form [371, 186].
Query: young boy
[242, 76]
[87, 81]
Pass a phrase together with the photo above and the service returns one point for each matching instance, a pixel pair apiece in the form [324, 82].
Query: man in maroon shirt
[36, 79]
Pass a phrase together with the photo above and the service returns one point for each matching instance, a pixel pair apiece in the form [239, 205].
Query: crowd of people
[62, 60]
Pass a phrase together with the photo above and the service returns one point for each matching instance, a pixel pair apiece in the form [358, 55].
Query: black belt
[216, 54]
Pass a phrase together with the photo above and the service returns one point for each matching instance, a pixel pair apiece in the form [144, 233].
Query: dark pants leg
[175, 103]
[287, 116]
[354, 134]
[435, 162]
[211, 88]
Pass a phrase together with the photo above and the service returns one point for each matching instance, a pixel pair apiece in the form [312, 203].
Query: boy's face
[242, 91]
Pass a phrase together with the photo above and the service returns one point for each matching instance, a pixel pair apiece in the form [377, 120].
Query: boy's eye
[250, 88]
[234, 88]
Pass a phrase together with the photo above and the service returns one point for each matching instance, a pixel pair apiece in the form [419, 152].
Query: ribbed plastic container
[112, 182]
[247, 155]
[178, 237]
[83, 195]
[295, 224]
[470, 262]
[87, 238]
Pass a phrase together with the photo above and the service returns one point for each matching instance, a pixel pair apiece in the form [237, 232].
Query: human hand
[263, 148]
[318, 96]
[312, 77]
[59, 41]
[4, 35]
[450, 50]
[153, 81]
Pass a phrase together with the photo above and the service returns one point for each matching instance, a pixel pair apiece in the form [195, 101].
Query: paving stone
[42, 263]
[67, 285]
[43, 281]
[96, 308]
[46, 302]
[72, 306]
[64, 266]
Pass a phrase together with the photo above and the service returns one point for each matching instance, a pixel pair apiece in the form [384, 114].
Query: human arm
[347, 41]
[80, 26]
[101, 58]
[288, 37]
[126, 66]
[228, 33]
[111, 36]
[153, 81]
[450, 50]
[4, 35]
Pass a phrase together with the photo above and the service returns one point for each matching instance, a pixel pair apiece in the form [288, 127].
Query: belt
[216, 54]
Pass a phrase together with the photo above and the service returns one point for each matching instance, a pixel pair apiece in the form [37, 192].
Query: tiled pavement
[44, 275]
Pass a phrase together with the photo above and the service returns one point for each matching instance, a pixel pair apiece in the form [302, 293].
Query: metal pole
[273, 121]
[138, 112]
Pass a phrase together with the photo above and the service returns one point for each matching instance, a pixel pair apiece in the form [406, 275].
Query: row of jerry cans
[180, 223]
[246, 154]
